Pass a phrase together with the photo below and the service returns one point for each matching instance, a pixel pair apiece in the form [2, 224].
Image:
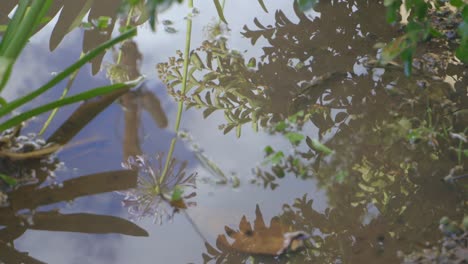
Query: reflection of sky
[217, 206]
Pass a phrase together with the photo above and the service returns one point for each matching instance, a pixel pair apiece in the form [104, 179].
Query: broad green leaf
[294, 138]
[276, 157]
[456, 3]
[281, 126]
[317, 146]
[9, 180]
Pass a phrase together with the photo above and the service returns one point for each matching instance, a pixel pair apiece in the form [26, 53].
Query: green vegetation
[421, 22]
[28, 17]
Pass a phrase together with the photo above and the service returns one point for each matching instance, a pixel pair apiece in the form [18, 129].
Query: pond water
[290, 128]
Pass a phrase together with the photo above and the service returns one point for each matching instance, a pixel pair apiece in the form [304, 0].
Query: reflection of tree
[31, 197]
[393, 137]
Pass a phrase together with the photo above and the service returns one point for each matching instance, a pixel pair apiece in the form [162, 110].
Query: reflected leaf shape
[85, 223]
[10, 255]
[30, 197]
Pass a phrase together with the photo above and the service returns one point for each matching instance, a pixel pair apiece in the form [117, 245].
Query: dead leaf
[261, 240]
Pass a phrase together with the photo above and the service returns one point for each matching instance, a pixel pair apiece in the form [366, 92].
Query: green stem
[180, 106]
[127, 23]
[64, 93]
[68, 71]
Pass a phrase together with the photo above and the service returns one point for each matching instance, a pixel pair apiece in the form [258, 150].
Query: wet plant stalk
[180, 106]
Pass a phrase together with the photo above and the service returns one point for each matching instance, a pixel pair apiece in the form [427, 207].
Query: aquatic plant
[28, 16]
[156, 195]
[422, 20]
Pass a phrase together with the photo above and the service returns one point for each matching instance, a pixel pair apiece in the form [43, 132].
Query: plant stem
[180, 106]
[64, 93]
[68, 71]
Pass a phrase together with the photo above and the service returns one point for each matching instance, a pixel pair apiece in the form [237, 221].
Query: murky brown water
[378, 193]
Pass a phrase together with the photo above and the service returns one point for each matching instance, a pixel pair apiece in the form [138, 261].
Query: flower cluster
[157, 196]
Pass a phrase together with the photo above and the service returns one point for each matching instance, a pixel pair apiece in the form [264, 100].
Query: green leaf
[294, 138]
[341, 176]
[9, 180]
[208, 112]
[103, 22]
[317, 146]
[456, 3]
[263, 6]
[177, 194]
[305, 5]
[219, 9]
[68, 71]
[281, 126]
[268, 150]
[62, 102]
[276, 157]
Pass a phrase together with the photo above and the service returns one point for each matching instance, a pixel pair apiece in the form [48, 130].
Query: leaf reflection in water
[156, 196]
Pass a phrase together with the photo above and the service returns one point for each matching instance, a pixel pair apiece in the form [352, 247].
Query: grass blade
[62, 102]
[219, 9]
[64, 74]
[27, 25]
[13, 25]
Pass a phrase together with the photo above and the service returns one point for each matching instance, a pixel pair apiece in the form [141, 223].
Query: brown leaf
[262, 240]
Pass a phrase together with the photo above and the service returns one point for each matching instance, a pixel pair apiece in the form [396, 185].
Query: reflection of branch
[86, 112]
[26, 197]
[85, 223]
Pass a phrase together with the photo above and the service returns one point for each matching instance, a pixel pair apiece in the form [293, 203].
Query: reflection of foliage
[21, 215]
[453, 248]
[275, 240]
[153, 198]
[229, 79]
